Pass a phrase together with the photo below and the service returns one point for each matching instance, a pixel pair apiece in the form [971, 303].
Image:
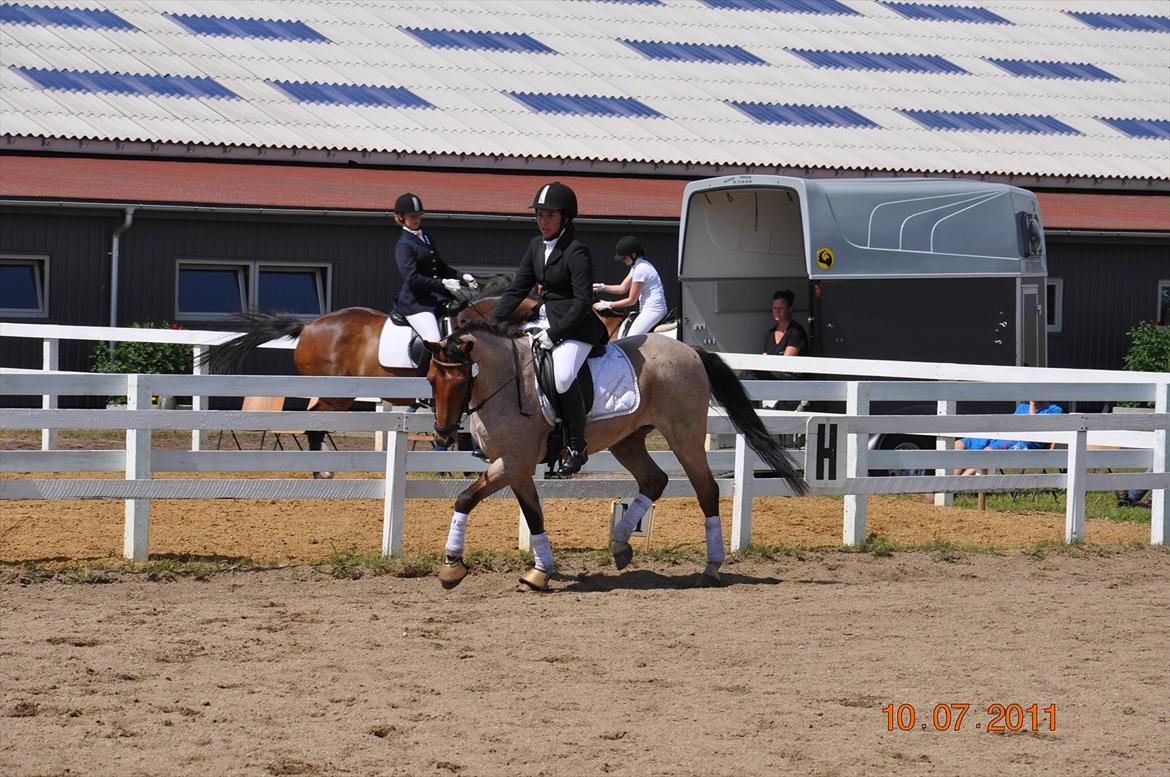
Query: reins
[472, 374]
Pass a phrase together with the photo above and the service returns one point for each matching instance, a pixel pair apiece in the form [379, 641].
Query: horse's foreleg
[535, 579]
[631, 453]
[495, 477]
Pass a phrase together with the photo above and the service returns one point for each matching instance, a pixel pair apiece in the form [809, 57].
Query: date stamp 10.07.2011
[1001, 718]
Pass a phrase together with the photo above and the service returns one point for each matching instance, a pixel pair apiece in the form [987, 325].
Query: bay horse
[486, 370]
[343, 343]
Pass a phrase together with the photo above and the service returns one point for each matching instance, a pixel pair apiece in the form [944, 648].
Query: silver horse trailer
[895, 268]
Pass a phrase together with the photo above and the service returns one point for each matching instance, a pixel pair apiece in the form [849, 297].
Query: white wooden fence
[1139, 441]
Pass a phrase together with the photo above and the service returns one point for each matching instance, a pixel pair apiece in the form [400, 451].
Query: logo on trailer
[825, 258]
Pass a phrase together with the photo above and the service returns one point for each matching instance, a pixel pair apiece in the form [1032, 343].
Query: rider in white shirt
[642, 287]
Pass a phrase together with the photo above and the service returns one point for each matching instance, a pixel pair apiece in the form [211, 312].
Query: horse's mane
[479, 325]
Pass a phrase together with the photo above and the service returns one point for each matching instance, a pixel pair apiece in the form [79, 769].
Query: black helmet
[408, 203]
[556, 196]
[628, 246]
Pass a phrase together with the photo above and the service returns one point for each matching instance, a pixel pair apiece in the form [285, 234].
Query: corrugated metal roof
[576, 54]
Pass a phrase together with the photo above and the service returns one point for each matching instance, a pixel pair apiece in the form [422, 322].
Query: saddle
[419, 356]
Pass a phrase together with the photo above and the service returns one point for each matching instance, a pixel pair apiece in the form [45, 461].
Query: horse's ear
[432, 347]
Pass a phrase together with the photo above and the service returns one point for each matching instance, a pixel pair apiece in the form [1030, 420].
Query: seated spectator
[980, 443]
[1134, 498]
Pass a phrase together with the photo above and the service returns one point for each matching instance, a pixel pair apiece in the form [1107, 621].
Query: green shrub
[142, 358]
[1149, 349]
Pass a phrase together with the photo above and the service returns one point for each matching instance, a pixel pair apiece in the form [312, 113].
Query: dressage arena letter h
[826, 451]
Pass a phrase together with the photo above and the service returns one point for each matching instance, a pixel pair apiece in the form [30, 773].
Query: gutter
[316, 213]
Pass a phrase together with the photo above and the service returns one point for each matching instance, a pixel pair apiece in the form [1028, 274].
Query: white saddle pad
[615, 387]
[394, 345]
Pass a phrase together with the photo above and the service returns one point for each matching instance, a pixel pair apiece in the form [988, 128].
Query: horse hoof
[323, 476]
[623, 554]
[535, 580]
[451, 573]
[710, 576]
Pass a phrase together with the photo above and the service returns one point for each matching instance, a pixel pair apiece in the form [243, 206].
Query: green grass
[1098, 504]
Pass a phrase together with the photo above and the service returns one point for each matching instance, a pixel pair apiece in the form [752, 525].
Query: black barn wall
[1110, 285]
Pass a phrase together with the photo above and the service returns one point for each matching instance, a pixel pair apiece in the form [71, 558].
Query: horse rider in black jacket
[427, 281]
[563, 267]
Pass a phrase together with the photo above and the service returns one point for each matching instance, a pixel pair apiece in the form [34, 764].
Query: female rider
[563, 267]
[427, 281]
[642, 286]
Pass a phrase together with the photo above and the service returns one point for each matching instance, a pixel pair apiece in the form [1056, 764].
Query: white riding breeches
[568, 356]
[644, 322]
[426, 325]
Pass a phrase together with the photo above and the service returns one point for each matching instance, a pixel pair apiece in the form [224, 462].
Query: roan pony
[486, 371]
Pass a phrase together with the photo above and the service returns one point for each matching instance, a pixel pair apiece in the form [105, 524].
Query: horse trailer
[882, 268]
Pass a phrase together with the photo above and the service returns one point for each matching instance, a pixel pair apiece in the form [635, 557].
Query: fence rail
[1135, 441]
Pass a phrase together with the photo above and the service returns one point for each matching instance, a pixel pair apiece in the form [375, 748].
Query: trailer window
[22, 286]
[1055, 312]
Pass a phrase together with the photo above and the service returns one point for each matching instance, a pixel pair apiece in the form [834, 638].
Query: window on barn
[1163, 303]
[298, 290]
[210, 290]
[1055, 289]
[24, 286]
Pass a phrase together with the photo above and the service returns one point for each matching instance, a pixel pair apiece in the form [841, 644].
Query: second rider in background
[642, 287]
[427, 281]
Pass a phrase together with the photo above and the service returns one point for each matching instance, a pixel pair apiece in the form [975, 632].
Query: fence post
[136, 528]
[945, 407]
[198, 436]
[856, 505]
[743, 490]
[380, 436]
[50, 347]
[1074, 511]
[394, 506]
[1160, 497]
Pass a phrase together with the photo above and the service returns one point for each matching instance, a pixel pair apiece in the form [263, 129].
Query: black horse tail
[729, 392]
[259, 328]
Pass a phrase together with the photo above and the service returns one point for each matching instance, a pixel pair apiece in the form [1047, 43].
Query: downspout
[115, 262]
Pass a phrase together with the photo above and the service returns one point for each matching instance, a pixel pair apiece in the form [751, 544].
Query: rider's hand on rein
[544, 341]
[451, 285]
[602, 305]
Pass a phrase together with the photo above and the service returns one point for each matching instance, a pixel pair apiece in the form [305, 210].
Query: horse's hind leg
[631, 453]
[687, 444]
[316, 437]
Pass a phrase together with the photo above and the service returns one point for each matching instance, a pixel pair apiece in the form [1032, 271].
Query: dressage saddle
[546, 382]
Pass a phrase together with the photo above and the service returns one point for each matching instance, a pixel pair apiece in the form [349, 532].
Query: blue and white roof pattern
[1073, 88]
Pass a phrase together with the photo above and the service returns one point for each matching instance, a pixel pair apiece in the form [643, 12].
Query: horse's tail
[727, 390]
[259, 328]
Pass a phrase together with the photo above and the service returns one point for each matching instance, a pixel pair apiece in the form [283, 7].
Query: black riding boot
[573, 416]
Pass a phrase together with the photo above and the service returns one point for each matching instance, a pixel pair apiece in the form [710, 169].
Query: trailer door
[1033, 351]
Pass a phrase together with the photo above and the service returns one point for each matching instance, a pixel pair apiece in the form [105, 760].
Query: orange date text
[1000, 718]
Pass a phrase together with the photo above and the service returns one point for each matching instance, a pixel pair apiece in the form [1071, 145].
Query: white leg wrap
[542, 550]
[633, 514]
[456, 535]
[715, 553]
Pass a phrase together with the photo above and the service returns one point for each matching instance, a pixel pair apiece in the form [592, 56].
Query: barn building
[167, 161]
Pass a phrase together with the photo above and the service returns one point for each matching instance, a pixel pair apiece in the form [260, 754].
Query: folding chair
[266, 404]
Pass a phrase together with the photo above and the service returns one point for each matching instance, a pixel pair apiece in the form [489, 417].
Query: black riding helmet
[556, 196]
[628, 246]
[408, 203]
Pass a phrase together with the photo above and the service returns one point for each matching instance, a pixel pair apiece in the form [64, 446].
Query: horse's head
[451, 374]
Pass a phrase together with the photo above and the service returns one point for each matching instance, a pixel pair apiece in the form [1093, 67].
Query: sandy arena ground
[784, 670]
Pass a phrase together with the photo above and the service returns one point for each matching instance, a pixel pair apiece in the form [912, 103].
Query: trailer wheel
[907, 442]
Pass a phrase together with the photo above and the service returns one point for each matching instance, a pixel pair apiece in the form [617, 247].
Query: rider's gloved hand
[544, 341]
[598, 288]
[451, 285]
[471, 282]
[603, 305]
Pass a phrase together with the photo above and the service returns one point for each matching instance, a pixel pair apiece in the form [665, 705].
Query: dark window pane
[1053, 301]
[18, 287]
[294, 291]
[210, 290]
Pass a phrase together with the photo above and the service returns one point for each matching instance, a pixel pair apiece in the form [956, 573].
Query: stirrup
[572, 463]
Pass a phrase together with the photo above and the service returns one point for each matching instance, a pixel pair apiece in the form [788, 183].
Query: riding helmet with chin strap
[408, 203]
[556, 196]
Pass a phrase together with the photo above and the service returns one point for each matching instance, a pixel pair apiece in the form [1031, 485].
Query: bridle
[472, 373]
